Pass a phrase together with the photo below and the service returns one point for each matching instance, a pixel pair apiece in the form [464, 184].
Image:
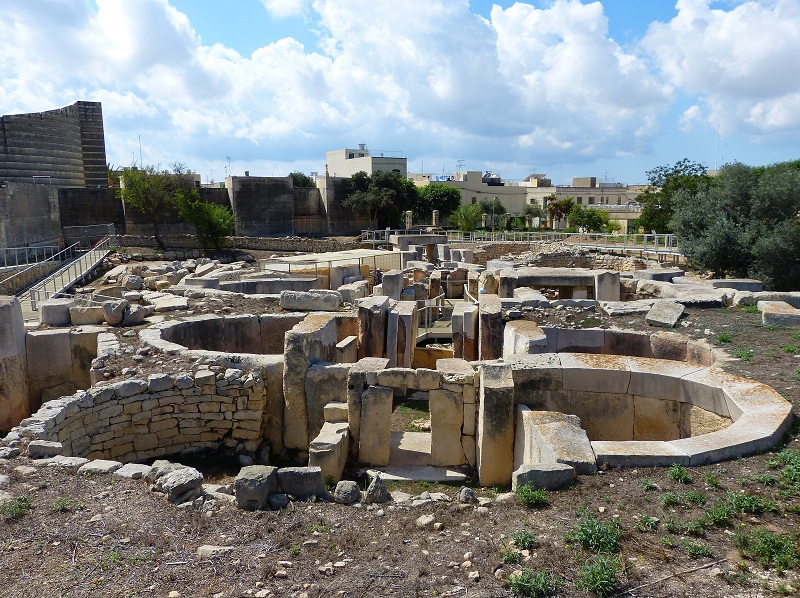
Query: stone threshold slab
[426, 473]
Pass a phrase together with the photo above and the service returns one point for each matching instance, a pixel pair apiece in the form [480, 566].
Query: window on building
[619, 200]
[591, 201]
[350, 156]
[580, 200]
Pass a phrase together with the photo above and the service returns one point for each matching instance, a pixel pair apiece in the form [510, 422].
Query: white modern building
[346, 162]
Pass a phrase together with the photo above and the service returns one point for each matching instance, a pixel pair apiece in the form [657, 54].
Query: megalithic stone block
[495, 440]
[490, 328]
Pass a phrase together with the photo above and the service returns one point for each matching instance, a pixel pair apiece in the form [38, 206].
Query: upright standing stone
[393, 284]
[372, 313]
[356, 385]
[401, 334]
[490, 328]
[14, 400]
[376, 416]
[495, 440]
[447, 416]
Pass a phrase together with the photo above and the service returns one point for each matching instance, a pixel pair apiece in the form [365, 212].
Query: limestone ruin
[314, 378]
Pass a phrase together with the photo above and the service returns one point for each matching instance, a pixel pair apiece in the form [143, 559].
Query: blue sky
[564, 87]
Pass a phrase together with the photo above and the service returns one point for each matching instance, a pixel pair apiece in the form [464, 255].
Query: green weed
[648, 485]
[533, 498]
[511, 557]
[15, 509]
[695, 550]
[669, 499]
[534, 584]
[712, 480]
[599, 575]
[743, 354]
[751, 309]
[680, 474]
[65, 505]
[769, 549]
[724, 338]
[791, 349]
[596, 535]
[523, 539]
[646, 523]
[694, 497]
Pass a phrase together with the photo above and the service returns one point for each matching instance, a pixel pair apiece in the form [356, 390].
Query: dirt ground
[106, 536]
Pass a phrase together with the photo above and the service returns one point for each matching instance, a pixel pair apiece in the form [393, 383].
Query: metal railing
[64, 278]
[64, 255]
[14, 257]
[90, 233]
[648, 243]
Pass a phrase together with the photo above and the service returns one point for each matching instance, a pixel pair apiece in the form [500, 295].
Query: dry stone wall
[135, 420]
[261, 243]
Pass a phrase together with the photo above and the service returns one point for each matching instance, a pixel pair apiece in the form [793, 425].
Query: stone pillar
[325, 383]
[495, 439]
[393, 284]
[484, 219]
[356, 384]
[14, 399]
[490, 328]
[311, 341]
[523, 337]
[372, 313]
[408, 219]
[401, 334]
[447, 416]
[465, 330]
[508, 282]
[435, 218]
[376, 416]
[606, 285]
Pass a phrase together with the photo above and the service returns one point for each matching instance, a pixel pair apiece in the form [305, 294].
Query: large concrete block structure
[63, 147]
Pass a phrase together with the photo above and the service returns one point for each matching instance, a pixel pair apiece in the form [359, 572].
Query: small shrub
[791, 349]
[648, 485]
[533, 498]
[599, 575]
[695, 550]
[294, 551]
[523, 539]
[596, 535]
[743, 354]
[65, 505]
[669, 499]
[511, 557]
[751, 503]
[646, 523]
[694, 497]
[534, 584]
[679, 474]
[723, 338]
[712, 480]
[690, 527]
[15, 509]
[751, 309]
[668, 541]
[769, 549]
[766, 479]
[720, 514]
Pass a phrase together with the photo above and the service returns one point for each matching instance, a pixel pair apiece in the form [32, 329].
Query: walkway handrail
[6, 252]
[63, 255]
[55, 285]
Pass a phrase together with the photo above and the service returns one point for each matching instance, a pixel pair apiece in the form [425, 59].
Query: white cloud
[689, 118]
[282, 9]
[741, 63]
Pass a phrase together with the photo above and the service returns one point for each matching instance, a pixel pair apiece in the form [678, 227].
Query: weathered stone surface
[99, 467]
[159, 469]
[447, 413]
[523, 337]
[278, 501]
[301, 481]
[207, 551]
[376, 413]
[530, 297]
[180, 484]
[356, 384]
[329, 451]
[311, 341]
[41, 449]
[346, 492]
[464, 323]
[665, 314]
[132, 471]
[314, 300]
[372, 315]
[549, 437]
[656, 419]
[253, 485]
[335, 413]
[401, 333]
[779, 312]
[80, 315]
[550, 476]
[376, 491]
[325, 383]
[55, 312]
[490, 328]
[114, 311]
[595, 373]
[136, 314]
[495, 439]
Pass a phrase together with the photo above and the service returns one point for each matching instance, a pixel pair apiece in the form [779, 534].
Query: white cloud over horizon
[524, 86]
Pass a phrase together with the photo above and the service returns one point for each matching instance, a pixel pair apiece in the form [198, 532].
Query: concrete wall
[29, 215]
[309, 212]
[67, 145]
[263, 206]
[82, 207]
[171, 223]
[340, 220]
